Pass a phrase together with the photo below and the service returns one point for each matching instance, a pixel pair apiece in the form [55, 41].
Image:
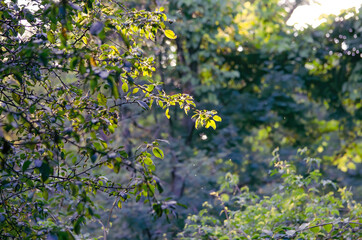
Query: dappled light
[180, 119]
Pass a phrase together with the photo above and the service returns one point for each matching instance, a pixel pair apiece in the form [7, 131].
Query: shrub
[301, 207]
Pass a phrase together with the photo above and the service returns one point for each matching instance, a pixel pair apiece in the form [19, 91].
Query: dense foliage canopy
[98, 118]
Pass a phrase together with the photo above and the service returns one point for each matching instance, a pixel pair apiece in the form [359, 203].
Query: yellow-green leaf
[328, 227]
[211, 123]
[50, 37]
[186, 109]
[170, 34]
[225, 197]
[217, 118]
[148, 161]
[114, 88]
[164, 19]
[167, 113]
[158, 152]
[197, 123]
[102, 100]
[150, 88]
[110, 165]
[85, 40]
[16, 97]
[160, 103]
[45, 194]
[315, 229]
[114, 48]
[125, 87]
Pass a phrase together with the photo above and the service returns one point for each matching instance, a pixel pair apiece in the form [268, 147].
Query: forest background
[273, 93]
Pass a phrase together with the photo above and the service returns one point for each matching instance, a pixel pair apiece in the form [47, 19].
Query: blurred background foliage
[273, 85]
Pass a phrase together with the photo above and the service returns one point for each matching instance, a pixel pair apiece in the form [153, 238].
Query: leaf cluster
[301, 207]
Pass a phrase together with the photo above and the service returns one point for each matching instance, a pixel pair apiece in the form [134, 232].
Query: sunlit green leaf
[158, 152]
[167, 113]
[170, 34]
[125, 87]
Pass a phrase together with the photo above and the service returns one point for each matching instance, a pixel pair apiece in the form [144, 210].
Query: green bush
[301, 207]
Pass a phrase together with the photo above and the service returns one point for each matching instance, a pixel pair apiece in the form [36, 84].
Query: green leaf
[170, 34]
[82, 69]
[16, 97]
[328, 227]
[50, 37]
[160, 103]
[45, 194]
[102, 99]
[159, 187]
[158, 209]
[93, 84]
[65, 236]
[148, 161]
[225, 197]
[114, 87]
[116, 167]
[224, 238]
[80, 207]
[158, 152]
[74, 189]
[150, 88]
[94, 157]
[182, 205]
[26, 165]
[111, 128]
[125, 87]
[315, 229]
[135, 90]
[44, 171]
[77, 225]
[32, 108]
